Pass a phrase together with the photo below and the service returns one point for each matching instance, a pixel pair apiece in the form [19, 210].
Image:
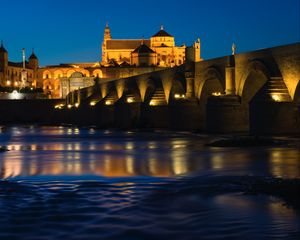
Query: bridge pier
[104, 114]
[154, 116]
[270, 117]
[126, 115]
[225, 114]
[185, 115]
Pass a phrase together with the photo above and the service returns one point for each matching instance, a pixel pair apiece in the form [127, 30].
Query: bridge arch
[256, 76]
[177, 89]
[211, 82]
[248, 82]
[178, 86]
[131, 91]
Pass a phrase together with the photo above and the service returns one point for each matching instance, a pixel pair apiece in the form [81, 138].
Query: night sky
[64, 31]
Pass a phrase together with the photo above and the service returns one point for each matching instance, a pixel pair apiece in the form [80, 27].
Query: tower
[107, 36]
[3, 63]
[34, 65]
[197, 47]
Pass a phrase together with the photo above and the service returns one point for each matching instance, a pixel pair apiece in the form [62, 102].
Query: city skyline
[72, 31]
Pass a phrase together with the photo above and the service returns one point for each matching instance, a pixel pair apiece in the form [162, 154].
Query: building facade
[121, 58]
[18, 74]
[120, 51]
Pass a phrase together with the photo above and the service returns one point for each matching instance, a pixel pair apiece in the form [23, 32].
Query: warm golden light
[76, 105]
[8, 83]
[152, 103]
[276, 97]
[179, 96]
[130, 100]
[69, 106]
[16, 83]
[108, 102]
[59, 106]
[93, 103]
[216, 94]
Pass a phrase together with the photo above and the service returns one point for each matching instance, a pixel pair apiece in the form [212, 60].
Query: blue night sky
[72, 31]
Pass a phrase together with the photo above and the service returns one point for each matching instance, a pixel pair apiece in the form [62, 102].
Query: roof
[17, 64]
[143, 48]
[162, 33]
[2, 49]
[125, 44]
[33, 56]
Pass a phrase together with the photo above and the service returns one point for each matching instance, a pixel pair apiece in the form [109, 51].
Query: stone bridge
[256, 91]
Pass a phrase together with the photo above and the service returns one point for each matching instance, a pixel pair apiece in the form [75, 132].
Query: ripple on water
[184, 209]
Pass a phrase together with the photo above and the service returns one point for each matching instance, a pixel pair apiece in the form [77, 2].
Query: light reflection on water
[70, 151]
[142, 184]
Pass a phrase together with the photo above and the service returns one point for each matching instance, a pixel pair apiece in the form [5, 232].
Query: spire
[2, 49]
[33, 56]
[161, 27]
[107, 35]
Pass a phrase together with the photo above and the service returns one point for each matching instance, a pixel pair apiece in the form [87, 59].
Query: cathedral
[121, 58]
[159, 50]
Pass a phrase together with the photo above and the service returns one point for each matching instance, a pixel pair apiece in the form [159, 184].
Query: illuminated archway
[97, 73]
[58, 74]
[70, 72]
[177, 90]
[85, 72]
[212, 83]
[47, 74]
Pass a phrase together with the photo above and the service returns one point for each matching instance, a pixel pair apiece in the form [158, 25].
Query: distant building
[164, 52]
[121, 58]
[18, 74]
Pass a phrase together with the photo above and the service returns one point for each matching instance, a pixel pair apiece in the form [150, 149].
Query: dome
[162, 33]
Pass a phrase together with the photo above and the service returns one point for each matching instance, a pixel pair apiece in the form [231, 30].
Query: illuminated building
[121, 58]
[18, 74]
[161, 48]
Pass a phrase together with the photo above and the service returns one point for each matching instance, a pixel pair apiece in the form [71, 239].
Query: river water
[83, 183]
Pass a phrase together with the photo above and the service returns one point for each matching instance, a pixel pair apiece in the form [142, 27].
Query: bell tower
[197, 47]
[34, 65]
[107, 36]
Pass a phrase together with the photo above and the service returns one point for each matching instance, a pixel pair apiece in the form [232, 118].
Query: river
[82, 183]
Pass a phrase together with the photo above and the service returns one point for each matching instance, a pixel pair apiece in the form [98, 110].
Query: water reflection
[50, 151]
